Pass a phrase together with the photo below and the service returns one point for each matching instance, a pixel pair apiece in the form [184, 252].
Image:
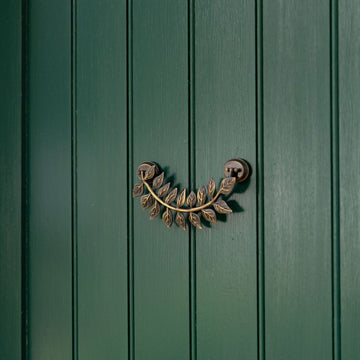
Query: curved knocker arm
[152, 179]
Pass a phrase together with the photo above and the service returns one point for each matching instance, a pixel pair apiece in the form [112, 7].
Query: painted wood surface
[49, 206]
[159, 123]
[349, 177]
[297, 180]
[10, 180]
[101, 181]
[188, 84]
[225, 127]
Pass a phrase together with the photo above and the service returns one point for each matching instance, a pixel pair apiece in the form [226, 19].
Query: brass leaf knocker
[235, 171]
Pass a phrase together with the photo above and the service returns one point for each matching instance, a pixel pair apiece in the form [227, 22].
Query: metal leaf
[138, 190]
[154, 211]
[209, 215]
[146, 201]
[150, 172]
[191, 200]
[211, 187]
[201, 195]
[222, 207]
[158, 181]
[180, 201]
[164, 190]
[172, 196]
[227, 185]
[167, 217]
[195, 220]
[180, 220]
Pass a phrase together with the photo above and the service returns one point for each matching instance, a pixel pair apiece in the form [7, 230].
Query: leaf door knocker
[235, 171]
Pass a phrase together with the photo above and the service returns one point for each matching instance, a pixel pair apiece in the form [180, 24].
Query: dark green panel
[50, 249]
[10, 180]
[160, 133]
[349, 107]
[226, 128]
[298, 292]
[101, 179]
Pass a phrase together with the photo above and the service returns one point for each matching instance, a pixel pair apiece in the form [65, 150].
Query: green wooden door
[94, 88]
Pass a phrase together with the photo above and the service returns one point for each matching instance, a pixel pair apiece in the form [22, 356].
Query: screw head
[237, 168]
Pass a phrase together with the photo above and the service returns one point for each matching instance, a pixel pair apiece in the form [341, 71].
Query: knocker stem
[151, 191]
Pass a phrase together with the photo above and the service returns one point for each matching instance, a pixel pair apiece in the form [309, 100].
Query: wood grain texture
[101, 179]
[349, 136]
[335, 170]
[226, 128]
[298, 301]
[50, 245]
[160, 133]
[10, 179]
[115, 83]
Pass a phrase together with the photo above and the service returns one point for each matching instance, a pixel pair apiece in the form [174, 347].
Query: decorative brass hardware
[235, 171]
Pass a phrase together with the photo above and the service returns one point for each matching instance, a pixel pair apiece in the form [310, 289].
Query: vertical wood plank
[160, 133]
[50, 243]
[226, 128]
[349, 136]
[10, 178]
[335, 191]
[298, 301]
[101, 179]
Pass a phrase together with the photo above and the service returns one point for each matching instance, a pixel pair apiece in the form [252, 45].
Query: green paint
[50, 243]
[349, 139]
[10, 179]
[160, 133]
[297, 180]
[188, 85]
[101, 179]
[225, 120]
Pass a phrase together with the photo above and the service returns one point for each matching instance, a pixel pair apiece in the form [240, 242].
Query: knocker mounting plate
[152, 180]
